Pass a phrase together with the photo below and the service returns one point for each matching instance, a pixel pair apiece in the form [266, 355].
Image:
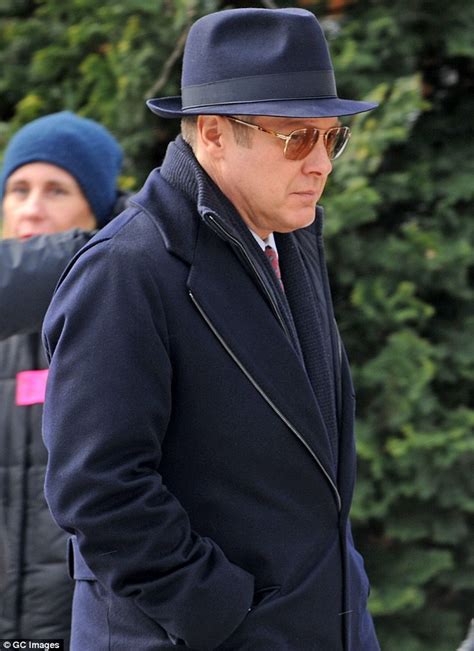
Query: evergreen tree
[101, 60]
[400, 238]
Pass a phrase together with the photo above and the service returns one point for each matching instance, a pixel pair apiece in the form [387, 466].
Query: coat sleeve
[29, 271]
[107, 408]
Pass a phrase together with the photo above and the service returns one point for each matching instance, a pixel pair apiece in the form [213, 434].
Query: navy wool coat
[187, 453]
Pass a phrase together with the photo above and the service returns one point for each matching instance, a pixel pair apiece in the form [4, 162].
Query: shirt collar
[270, 241]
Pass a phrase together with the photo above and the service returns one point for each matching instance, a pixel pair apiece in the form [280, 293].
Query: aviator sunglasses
[300, 142]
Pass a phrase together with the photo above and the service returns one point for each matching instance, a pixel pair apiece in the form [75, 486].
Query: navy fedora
[257, 62]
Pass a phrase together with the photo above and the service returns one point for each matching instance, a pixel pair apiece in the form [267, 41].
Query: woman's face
[41, 198]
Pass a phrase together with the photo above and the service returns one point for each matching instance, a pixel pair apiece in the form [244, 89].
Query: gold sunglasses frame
[287, 138]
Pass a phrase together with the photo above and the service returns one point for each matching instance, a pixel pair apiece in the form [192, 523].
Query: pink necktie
[273, 257]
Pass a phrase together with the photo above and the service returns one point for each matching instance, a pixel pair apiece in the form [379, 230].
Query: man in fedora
[199, 410]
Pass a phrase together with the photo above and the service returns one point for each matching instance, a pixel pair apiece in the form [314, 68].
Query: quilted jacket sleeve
[29, 271]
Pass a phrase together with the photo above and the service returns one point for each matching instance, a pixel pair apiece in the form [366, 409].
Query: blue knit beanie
[80, 146]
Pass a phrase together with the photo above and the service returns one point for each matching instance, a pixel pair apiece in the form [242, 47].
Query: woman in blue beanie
[58, 184]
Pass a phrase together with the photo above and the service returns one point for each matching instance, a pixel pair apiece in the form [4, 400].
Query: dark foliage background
[399, 234]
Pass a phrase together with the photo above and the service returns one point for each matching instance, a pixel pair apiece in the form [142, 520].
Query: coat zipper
[214, 225]
[266, 398]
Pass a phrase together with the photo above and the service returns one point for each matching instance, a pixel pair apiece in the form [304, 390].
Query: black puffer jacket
[35, 589]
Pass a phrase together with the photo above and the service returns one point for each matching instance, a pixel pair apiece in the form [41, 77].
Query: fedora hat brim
[171, 107]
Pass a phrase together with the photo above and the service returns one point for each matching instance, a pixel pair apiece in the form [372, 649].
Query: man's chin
[296, 224]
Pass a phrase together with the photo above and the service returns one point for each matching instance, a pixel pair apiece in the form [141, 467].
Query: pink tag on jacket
[31, 387]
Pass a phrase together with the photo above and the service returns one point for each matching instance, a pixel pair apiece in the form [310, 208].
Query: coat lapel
[241, 317]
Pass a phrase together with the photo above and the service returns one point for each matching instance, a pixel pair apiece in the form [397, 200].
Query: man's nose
[318, 161]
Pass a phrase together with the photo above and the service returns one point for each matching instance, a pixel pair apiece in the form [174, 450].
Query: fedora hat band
[313, 84]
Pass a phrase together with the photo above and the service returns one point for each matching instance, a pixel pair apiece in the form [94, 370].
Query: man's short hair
[242, 134]
[188, 130]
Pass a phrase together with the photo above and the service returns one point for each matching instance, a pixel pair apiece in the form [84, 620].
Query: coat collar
[182, 183]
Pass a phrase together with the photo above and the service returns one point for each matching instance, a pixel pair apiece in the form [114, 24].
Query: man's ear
[212, 135]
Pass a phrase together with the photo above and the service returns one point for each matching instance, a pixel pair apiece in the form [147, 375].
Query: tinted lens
[300, 143]
[336, 140]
